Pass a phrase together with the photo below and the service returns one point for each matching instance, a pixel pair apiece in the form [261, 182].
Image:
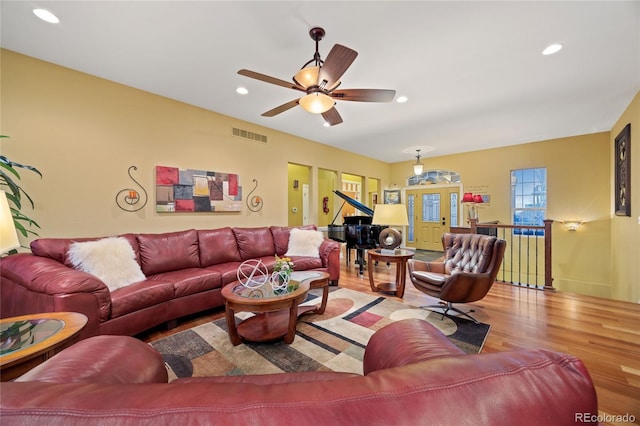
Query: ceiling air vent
[249, 135]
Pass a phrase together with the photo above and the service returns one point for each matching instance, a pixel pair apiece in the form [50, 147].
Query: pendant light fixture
[418, 167]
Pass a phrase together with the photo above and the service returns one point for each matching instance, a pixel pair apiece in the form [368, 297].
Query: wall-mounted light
[296, 183]
[129, 199]
[572, 225]
[254, 203]
[132, 197]
[418, 167]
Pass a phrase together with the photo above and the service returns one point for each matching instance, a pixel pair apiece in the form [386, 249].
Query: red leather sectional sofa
[413, 375]
[185, 272]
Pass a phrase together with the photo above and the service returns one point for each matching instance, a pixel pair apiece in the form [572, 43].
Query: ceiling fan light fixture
[316, 103]
[318, 79]
[307, 77]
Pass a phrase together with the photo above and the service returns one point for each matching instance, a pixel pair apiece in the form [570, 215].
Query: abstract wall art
[188, 190]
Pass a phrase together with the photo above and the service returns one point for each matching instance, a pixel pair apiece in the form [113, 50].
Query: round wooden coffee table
[276, 314]
[399, 257]
[29, 340]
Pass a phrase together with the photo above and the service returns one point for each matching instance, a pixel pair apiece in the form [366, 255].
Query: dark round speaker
[390, 238]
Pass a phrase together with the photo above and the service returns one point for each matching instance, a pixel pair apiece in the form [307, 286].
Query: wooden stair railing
[546, 229]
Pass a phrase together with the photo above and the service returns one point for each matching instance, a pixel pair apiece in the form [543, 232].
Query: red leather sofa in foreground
[413, 375]
[184, 270]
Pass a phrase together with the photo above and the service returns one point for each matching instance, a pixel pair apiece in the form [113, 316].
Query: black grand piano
[356, 231]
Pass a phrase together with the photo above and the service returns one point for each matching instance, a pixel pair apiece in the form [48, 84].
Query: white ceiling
[473, 71]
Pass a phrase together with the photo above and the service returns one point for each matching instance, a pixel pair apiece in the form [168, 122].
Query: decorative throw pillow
[110, 259]
[304, 242]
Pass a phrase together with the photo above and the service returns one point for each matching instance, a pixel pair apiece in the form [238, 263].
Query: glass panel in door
[431, 223]
[454, 208]
[411, 200]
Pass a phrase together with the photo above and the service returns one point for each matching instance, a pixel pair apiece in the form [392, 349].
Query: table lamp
[8, 234]
[473, 201]
[392, 215]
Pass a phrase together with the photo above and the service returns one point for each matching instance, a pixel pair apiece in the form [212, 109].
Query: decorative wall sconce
[295, 183]
[473, 201]
[129, 199]
[254, 203]
[572, 225]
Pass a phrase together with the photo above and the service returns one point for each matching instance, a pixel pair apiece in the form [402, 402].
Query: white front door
[305, 205]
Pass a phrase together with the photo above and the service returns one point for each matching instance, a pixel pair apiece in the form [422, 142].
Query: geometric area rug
[334, 340]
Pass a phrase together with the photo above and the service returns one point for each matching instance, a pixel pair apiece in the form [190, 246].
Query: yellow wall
[373, 188]
[327, 182]
[84, 132]
[625, 231]
[300, 174]
[578, 177]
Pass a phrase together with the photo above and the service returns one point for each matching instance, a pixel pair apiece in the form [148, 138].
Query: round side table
[36, 338]
[399, 257]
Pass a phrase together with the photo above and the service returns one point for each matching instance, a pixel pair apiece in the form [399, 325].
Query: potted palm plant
[9, 182]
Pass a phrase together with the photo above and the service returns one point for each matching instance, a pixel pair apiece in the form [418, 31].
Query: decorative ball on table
[252, 273]
[280, 282]
[281, 274]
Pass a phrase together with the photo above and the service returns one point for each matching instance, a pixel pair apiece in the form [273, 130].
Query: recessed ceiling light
[551, 49]
[242, 90]
[45, 15]
[402, 99]
[326, 124]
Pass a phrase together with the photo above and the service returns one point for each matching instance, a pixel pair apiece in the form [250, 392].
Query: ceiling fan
[319, 80]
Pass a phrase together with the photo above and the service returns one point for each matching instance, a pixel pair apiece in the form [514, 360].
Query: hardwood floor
[603, 333]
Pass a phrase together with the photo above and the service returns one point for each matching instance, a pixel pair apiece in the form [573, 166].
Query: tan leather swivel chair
[471, 263]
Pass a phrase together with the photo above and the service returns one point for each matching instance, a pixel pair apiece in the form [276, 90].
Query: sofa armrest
[406, 342]
[330, 255]
[102, 359]
[420, 265]
[44, 275]
[327, 248]
[34, 284]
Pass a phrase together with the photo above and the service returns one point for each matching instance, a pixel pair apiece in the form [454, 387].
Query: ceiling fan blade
[272, 80]
[332, 117]
[364, 95]
[338, 60]
[282, 108]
